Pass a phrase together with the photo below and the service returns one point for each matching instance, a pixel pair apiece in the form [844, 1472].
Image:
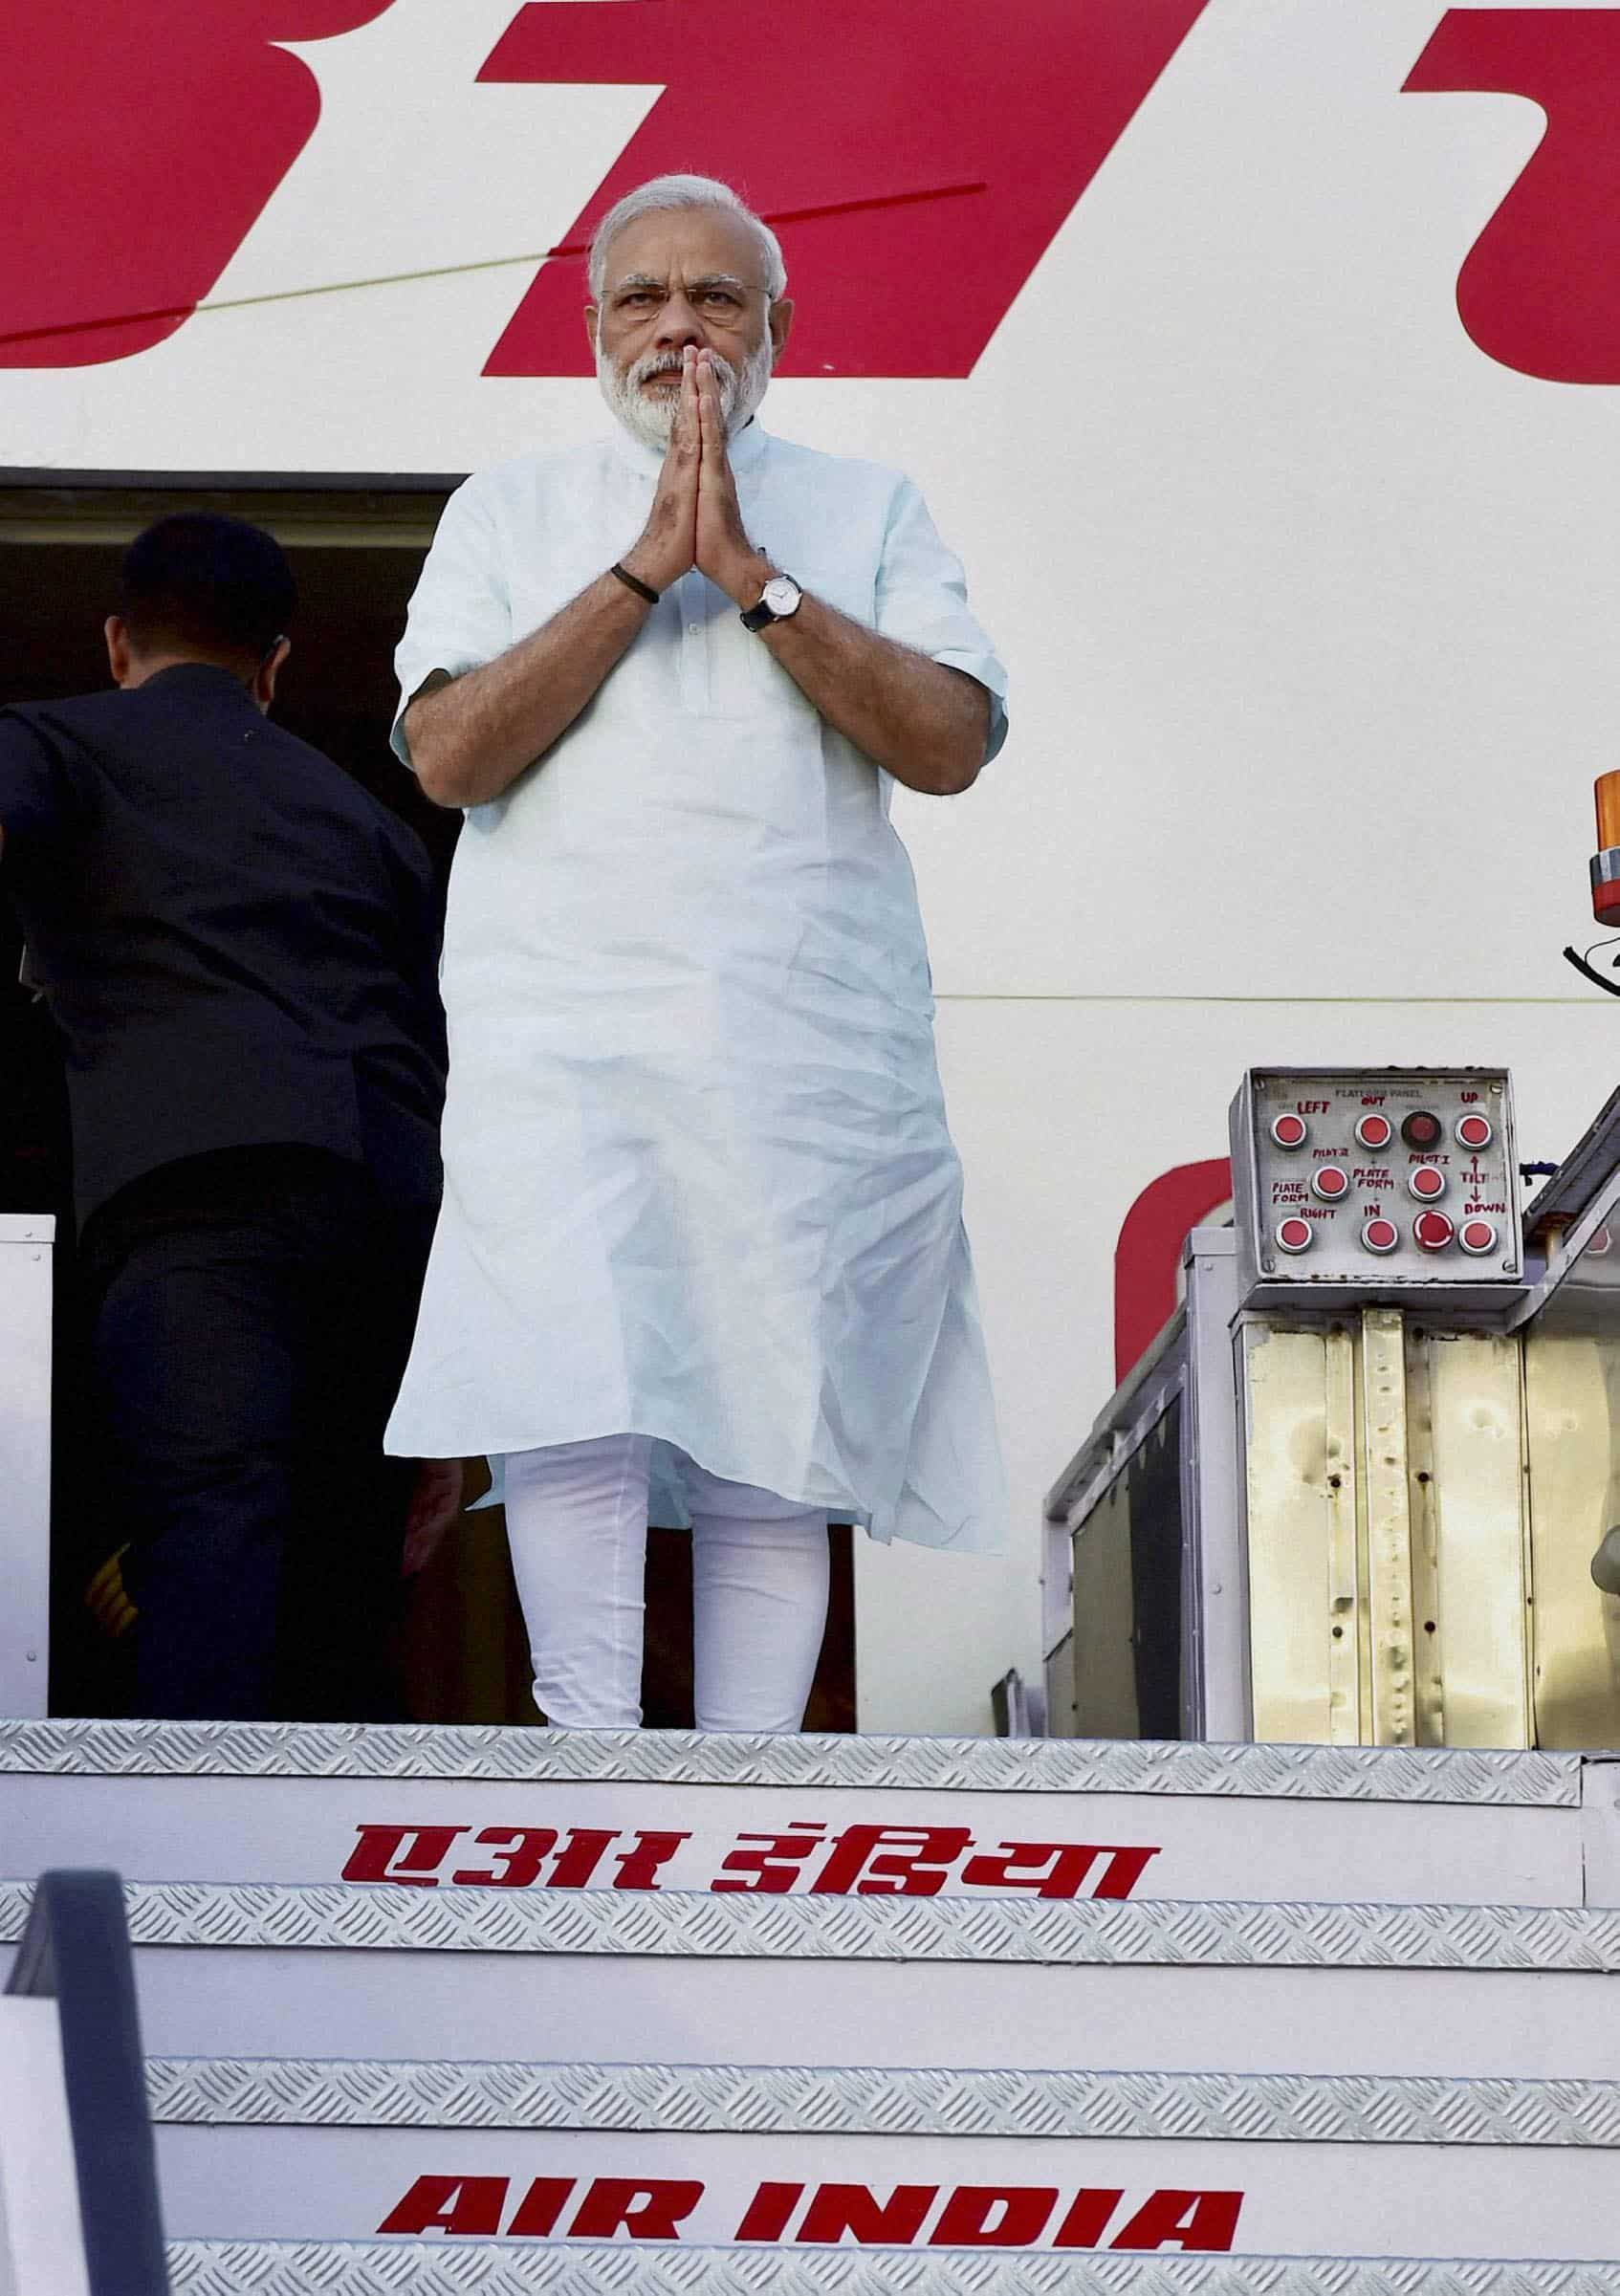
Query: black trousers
[250, 1315]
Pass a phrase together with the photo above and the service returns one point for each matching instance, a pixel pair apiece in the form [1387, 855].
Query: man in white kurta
[702, 1224]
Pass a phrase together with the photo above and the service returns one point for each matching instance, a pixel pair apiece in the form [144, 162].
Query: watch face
[782, 594]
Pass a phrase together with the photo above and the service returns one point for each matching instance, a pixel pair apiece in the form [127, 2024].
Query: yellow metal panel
[1348, 1704]
[1291, 1451]
[1429, 1680]
[1104, 1657]
[1364, 1578]
[1389, 1526]
[1572, 1386]
[1479, 1493]
[1060, 1720]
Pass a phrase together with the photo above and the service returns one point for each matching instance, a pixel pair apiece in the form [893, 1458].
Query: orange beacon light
[1606, 861]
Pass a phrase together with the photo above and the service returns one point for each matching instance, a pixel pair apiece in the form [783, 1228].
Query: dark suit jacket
[238, 945]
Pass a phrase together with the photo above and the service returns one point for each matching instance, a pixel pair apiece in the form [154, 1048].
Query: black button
[1421, 1129]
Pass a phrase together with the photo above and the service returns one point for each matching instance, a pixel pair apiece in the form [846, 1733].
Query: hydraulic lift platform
[1361, 1490]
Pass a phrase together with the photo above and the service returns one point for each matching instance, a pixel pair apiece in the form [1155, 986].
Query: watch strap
[761, 615]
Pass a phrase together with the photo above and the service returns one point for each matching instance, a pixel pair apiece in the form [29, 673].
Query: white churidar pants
[576, 1516]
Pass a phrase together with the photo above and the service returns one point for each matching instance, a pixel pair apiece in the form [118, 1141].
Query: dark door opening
[356, 547]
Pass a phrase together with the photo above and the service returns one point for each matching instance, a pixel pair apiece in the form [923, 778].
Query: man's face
[690, 275]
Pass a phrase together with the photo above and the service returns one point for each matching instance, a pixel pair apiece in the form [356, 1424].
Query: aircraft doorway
[355, 546]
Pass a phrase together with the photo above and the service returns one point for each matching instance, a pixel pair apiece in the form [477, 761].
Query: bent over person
[701, 1245]
[237, 946]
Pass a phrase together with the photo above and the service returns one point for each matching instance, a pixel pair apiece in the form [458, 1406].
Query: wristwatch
[780, 599]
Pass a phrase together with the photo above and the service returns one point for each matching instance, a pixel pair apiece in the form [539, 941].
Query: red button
[1295, 1235]
[1380, 1235]
[1427, 1182]
[1375, 1131]
[1475, 1131]
[1330, 1183]
[1432, 1231]
[1289, 1131]
[1478, 1236]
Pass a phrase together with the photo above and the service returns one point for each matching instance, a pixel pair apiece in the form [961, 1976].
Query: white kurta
[698, 1184]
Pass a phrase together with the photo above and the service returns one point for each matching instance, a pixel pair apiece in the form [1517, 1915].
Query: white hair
[673, 194]
[653, 421]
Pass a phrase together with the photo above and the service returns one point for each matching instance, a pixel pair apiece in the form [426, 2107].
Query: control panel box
[1375, 1179]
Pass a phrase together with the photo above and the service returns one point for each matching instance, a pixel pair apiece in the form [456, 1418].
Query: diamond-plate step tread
[231, 1803]
[493, 2269]
[874, 2100]
[696, 1758]
[753, 1926]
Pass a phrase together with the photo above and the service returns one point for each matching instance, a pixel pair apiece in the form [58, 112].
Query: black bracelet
[631, 582]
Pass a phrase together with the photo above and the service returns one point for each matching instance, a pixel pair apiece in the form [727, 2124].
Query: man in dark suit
[238, 947]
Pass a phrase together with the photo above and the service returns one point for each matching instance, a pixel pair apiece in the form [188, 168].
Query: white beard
[651, 417]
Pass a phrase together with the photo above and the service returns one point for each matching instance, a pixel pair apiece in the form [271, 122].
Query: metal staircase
[433, 2010]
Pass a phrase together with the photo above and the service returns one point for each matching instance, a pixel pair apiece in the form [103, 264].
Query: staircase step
[874, 2100]
[535, 1809]
[284, 2150]
[488, 2268]
[487, 1987]
[1257, 1934]
[277, 1969]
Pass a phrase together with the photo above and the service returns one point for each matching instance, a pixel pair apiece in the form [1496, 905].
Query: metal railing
[25, 1253]
[75, 1952]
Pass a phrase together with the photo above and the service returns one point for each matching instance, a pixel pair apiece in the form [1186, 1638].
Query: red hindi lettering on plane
[516, 1855]
[519, 1852]
[639, 1868]
[888, 1861]
[408, 1854]
[939, 146]
[772, 1867]
[1058, 1868]
[910, 1860]
[1540, 289]
[580, 1857]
